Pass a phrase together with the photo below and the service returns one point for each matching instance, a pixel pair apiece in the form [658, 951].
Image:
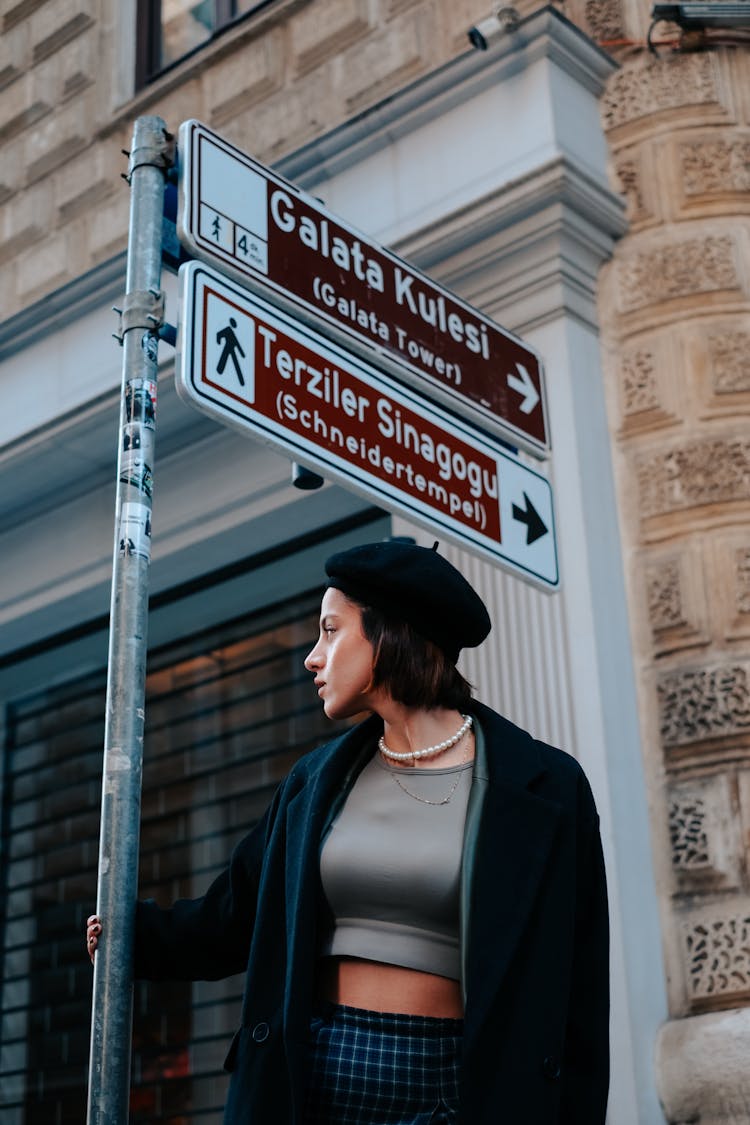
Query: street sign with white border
[240, 217]
[258, 369]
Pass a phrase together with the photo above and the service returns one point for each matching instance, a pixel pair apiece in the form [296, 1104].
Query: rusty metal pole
[141, 317]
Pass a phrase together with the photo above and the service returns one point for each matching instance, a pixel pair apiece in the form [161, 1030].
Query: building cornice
[541, 241]
[545, 34]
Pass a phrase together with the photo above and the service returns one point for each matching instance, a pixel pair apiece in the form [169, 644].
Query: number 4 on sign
[252, 249]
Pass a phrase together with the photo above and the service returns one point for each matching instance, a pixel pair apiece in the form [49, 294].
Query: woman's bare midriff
[388, 988]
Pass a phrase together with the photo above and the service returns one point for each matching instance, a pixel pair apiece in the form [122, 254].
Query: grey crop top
[390, 868]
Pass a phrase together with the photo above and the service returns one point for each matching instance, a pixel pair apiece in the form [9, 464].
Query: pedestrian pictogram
[231, 349]
[229, 346]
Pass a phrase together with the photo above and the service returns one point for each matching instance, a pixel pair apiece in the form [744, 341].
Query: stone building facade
[674, 309]
[308, 85]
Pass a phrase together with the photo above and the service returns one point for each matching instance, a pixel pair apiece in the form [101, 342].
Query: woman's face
[342, 659]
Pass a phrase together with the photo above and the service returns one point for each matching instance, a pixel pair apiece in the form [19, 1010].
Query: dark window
[169, 30]
[227, 715]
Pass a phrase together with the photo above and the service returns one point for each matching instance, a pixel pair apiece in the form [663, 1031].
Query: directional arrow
[525, 386]
[535, 526]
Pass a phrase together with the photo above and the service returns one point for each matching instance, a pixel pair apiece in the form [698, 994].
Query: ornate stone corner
[701, 1068]
[676, 600]
[705, 844]
[705, 709]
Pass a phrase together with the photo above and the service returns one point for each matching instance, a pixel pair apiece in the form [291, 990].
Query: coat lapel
[509, 834]
[308, 815]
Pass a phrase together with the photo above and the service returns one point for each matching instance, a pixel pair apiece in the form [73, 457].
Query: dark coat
[534, 935]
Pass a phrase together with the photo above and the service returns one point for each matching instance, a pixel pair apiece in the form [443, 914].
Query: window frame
[149, 36]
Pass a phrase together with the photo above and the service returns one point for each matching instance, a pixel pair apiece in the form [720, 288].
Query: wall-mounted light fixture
[501, 22]
[697, 17]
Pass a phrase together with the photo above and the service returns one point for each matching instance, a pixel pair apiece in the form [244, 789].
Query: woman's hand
[93, 930]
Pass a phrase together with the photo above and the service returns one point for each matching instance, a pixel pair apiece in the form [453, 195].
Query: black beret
[416, 585]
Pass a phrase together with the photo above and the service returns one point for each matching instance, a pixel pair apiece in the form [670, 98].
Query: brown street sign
[237, 215]
[256, 368]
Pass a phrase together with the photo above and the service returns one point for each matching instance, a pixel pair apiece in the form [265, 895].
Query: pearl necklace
[429, 751]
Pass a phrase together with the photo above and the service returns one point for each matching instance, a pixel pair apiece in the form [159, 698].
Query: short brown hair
[413, 670]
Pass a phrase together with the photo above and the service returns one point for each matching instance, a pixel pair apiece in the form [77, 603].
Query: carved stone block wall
[742, 570]
[393, 56]
[715, 166]
[743, 786]
[702, 472]
[271, 83]
[57, 25]
[244, 79]
[324, 29]
[716, 944]
[729, 357]
[676, 600]
[688, 834]
[677, 268]
[675, 311]
[681, 88]
[706, 844]
[731, 602]
[633, 175]
[714, 358]
[25, 219]
[82, 185]
[646, 387]
[604, 20]
[640, 387]
[705, 705]
[20, 10]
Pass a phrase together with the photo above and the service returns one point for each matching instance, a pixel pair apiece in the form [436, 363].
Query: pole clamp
[160, 153]
[141, 308]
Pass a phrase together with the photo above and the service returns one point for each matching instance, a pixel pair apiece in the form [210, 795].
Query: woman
[421, 913]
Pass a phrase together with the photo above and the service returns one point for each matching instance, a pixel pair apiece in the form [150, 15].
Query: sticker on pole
[259, 370]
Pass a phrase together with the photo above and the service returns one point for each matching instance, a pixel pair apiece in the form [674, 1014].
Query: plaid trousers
[381, 1068]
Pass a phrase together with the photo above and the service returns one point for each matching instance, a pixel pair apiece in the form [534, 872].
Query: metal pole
[140, 319]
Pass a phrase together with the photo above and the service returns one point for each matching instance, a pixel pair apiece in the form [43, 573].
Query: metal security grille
[227, 715]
